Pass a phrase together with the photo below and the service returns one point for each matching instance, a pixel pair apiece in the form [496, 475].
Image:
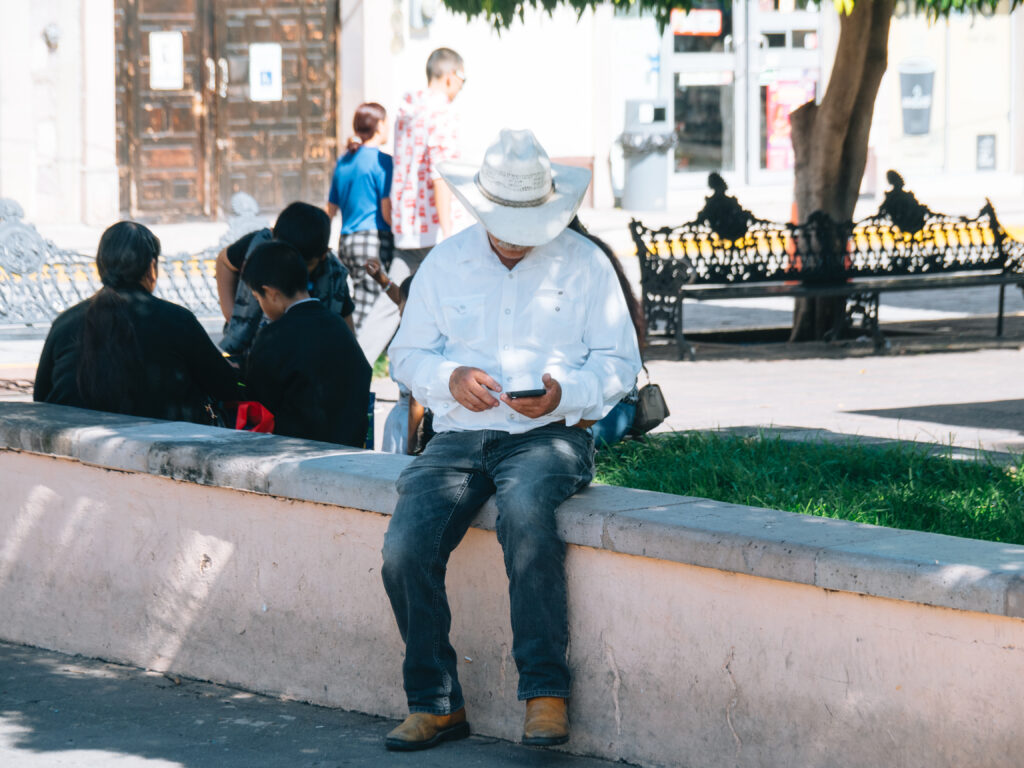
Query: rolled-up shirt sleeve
[613, 363]
[442, 142]
[417, 351]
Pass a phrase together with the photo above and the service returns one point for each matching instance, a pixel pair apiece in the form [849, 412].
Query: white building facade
[950, 107]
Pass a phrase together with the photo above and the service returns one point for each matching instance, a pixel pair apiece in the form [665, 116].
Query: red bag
[253, 417]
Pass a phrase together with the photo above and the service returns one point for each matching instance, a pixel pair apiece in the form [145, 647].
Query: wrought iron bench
[39, 280]
[727, 252]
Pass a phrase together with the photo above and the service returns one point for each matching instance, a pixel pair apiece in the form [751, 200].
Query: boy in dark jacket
[305, 366]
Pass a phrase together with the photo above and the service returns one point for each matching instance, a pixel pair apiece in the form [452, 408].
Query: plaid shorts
[354, 250]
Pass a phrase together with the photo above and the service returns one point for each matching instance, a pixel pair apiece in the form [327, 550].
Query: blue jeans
[614, 426]
[440, 493]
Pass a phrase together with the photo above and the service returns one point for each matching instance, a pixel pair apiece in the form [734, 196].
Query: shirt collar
[477, 248]
[301, 301]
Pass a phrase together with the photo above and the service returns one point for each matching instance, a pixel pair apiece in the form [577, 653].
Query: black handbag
[651, 408]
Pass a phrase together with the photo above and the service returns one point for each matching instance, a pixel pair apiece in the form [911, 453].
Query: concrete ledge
[931, 569]
[702, 634]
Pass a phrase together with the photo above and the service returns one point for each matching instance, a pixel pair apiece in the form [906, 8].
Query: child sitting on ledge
[305, 366]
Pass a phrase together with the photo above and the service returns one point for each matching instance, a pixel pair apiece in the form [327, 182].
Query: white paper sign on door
[166, 61]
[265, 72]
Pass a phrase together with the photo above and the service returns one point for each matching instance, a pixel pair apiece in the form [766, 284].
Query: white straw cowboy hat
[518, 194]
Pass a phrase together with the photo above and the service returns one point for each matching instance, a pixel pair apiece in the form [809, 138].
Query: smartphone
[526, 393]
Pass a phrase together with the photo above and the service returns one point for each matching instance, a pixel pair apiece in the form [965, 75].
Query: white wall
[17, 132]
[972, 93]
[1018, 96]
[57, 122]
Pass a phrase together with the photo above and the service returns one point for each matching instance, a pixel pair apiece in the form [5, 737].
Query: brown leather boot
[422, 730]
[547, 722]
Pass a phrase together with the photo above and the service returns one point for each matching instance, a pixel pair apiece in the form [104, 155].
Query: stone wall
[703, 634]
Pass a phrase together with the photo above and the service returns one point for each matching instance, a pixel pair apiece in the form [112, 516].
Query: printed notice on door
[265, 72]
[166, 61]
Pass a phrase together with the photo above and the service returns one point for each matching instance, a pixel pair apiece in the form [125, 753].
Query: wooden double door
[216, 97]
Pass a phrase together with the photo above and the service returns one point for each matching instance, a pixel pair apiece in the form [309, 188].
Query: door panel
[161, 142]
[185, 151]
[277, 151]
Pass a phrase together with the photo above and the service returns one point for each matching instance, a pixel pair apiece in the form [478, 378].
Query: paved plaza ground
[70, 712]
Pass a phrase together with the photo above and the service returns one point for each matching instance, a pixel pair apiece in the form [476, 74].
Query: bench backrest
[726, 244]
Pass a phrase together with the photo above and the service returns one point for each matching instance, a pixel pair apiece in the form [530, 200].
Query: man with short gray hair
[426, 135]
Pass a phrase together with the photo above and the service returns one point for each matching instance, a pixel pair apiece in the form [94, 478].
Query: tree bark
[830, 140]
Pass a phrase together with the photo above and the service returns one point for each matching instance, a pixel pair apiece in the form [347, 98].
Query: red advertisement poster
[783, 97]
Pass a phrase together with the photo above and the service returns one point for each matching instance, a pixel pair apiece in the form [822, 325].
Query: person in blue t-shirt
[360, 191]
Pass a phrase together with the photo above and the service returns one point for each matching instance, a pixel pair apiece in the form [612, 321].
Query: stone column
[1017, 83]
[99, 122]
[17, 135]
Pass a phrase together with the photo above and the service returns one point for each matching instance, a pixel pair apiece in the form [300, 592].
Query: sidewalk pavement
[972, 400]
[73, 712]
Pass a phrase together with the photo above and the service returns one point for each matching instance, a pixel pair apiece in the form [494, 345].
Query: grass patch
[380, 367]
[898, 486]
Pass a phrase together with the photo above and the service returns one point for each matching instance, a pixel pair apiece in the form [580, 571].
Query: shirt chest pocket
[554, 318]
[464, 320]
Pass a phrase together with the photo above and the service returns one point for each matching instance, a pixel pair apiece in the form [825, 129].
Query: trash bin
[646, 142]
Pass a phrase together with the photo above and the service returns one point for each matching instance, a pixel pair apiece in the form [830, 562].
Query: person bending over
[305, 365]
[125, 351]
[516, 337]
[306, 228]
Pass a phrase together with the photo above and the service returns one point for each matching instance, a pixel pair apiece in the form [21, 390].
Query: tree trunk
[830, 140]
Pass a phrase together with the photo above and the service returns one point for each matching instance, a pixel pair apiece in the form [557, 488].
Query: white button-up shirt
[560, 310]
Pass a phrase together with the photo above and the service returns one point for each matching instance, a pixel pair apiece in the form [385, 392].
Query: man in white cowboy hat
[516, 302]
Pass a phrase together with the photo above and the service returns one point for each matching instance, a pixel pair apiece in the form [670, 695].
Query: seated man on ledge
[516, 302]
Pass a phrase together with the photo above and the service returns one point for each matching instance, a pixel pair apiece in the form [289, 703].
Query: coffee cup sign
[265, 72]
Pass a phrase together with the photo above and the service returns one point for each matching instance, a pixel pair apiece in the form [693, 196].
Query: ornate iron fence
[39, 280]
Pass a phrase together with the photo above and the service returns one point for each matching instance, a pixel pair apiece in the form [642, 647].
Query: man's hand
[473, 389]
[535, 407]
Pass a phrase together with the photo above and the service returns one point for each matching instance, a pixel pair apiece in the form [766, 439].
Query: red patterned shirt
[425, 135]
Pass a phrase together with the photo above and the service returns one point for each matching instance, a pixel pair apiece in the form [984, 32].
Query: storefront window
[707, 28]
[781, 94]
[787, 6]
[705, 121]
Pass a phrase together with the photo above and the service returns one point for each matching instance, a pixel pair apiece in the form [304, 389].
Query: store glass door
[705, 91]
[785, 72]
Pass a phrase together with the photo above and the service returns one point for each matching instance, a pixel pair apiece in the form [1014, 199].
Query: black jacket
[181, 366]
[308, 369]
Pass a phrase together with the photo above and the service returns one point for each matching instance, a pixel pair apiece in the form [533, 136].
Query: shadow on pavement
[916, 337]
[998, 414]
[73, 711]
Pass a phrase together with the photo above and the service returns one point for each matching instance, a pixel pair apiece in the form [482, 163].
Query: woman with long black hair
[126, 351]
[617, 422]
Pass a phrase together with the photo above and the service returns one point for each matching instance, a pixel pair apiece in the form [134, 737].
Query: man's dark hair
[441, 62]
[305, 227]
[277, 264]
